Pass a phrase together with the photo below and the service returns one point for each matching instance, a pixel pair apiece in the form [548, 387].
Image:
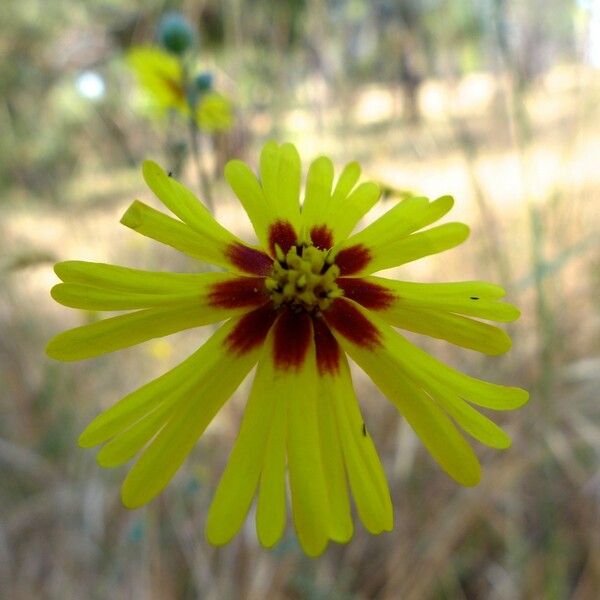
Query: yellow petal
[184, 204]
[130, 329]
[318, 193]
[156, 225]
[161, 76]
[345, 216]
[365, 473]
[144, 400]
[404, 218]
[250, 194]
[472, 421]
[471, 298]
[280, 177]
[125, 445]
[239, 481]
[310, 505]
[456, 329]
[102, 275]
[218, 376]
[271, 506]
[404, 374]
[214, 112]
[341, 527]
[346, 181]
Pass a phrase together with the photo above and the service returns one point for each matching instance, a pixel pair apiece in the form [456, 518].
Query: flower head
[161, 76]
[294, 306]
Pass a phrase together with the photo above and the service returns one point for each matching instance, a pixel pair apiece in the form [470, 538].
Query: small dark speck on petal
[474, 298]
[364, 430]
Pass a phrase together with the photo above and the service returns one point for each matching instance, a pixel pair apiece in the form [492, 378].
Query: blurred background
[493, 101]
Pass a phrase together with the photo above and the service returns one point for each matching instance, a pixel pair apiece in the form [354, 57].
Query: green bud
[175, 33]
[204, 82]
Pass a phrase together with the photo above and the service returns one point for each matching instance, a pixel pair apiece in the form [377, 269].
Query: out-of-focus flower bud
[204, 82]
[175, 33]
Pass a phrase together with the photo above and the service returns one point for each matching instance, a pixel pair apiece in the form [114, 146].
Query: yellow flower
[214, 112]
[295, 306]
[161, 76]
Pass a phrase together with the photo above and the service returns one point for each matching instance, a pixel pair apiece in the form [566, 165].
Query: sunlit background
[493, 101]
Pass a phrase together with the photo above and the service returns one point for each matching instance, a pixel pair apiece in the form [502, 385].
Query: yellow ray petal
[280, 177]
[156, 225]
[144, 400]
[221, 290]
[341, 527]
[455, 329]
[271, 506]
[160, 227]
[250, 194]
[393, 364]
[346, 181]
[125, 445]
[472, 421]
[404, 218]
[161, 76]
[130, 329]
[219, 374]
[91, 298]
[102, 275]
[240, 479]
[184, 204]
[214, 112]
[365, 473]
[474, 299]
[346, 214]
[437, 432]
[318, 193]
[310, 505]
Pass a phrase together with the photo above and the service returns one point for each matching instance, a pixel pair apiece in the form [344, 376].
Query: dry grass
[530, 530]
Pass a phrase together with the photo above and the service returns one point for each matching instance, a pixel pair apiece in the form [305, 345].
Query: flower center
[304, 279]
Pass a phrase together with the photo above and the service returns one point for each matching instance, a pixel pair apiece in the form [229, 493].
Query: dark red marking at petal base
[352, 324]
[328, 350]
[249, 259]
[292, 336]
[242, 291]
[353, 259]
[174, 86]
[367, 294]
[322, 237]
[251, 330]
[283, 234]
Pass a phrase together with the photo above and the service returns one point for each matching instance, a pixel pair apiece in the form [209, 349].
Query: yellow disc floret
[304, 278]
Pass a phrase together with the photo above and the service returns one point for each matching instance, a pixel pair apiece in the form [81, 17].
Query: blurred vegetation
[494, 101]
